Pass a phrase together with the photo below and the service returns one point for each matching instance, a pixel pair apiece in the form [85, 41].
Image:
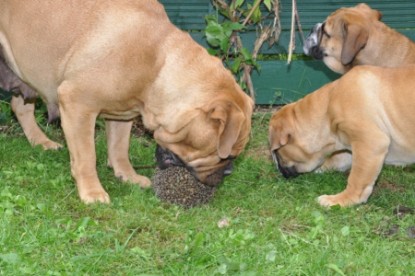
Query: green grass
[275, 225]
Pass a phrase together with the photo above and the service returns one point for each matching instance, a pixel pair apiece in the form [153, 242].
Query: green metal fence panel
[276, 82]
[190, 15]
[279, 83]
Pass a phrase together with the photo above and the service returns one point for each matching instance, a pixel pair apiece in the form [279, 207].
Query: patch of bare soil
[260, 153]
[389, 229]
[4, 128]
[267, 108]
[138, 128]
[386, 185]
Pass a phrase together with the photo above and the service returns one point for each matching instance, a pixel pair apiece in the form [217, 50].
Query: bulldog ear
[231, 119]
[355, 38]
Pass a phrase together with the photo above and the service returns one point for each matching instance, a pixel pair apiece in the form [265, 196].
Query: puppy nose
[312, 40]
[288, 172]
[316, 53]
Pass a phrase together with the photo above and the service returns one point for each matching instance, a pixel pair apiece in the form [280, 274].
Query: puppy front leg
[339, 161]
[25, 116]
[118, 140]
[78, 123]
[367, 162]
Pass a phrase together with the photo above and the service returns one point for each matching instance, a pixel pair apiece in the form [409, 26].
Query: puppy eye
[324, 32]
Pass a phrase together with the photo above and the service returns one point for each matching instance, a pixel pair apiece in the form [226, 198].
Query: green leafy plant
[234, 17]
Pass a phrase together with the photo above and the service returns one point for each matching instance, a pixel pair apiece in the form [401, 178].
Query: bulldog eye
[229, 158]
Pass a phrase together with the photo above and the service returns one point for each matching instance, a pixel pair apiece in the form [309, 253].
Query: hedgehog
[178, 186]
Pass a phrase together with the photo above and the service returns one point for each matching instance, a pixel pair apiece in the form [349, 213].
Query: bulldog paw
[95, 196]
[50, 145]
[142, 181]
[134, 178]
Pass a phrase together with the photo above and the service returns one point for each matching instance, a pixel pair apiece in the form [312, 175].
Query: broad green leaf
[214, 34]
[267, 3]
[246, 54]
[236, 65]
[256, 16]
[224, 44]
[239, 3]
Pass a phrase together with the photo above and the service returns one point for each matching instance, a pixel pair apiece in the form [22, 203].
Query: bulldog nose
[166, 158]
[228, 169]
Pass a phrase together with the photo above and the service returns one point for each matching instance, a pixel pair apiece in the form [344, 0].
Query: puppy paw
[327, 200]
[94, 197]
[331, 200]
[320, 170]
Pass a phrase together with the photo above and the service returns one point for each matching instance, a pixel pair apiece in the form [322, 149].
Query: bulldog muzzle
[166, 158]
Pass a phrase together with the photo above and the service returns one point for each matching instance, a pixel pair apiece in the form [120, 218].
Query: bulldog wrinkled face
[208, 143]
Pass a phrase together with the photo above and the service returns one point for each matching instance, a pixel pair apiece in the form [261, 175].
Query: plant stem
[291, 46]
[251, 11]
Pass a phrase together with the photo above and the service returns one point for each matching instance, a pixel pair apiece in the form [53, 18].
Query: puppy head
[339, 39]
[297, 146]
[208, 138]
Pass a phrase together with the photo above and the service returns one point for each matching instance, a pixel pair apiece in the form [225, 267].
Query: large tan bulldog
[369, 112]
[356, 36]
[119, 59]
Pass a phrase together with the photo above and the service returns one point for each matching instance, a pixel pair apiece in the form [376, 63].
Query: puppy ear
[355, 38]
[375, 14]
[231, 119]
[278, 135]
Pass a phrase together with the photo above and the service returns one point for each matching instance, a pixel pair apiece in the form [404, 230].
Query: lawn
[258, 223]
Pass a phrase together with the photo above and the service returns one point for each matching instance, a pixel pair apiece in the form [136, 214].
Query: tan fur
[356, 36]
[119, 59]
[368, 113]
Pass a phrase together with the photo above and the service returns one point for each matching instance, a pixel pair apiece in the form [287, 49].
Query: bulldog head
[338, 40]
[299, 140]
[208, 138]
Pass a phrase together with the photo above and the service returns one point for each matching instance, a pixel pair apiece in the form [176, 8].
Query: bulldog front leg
[367, 162]
[78, 123]
[25, 116]
[118, 140]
